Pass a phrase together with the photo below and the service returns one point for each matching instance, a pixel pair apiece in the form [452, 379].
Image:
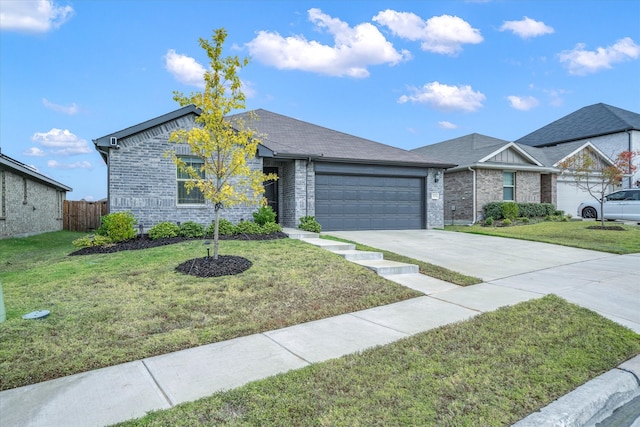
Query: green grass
[112, 308]
[423, 267]
[494, 369]
[571, 233]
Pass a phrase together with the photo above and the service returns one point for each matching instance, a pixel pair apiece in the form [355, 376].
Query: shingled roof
[588, 122]
[291, 138]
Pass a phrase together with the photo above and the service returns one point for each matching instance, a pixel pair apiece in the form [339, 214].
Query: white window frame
[182, 177]
[511, 186]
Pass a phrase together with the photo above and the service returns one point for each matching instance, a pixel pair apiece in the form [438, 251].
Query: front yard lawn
[571, 233]
[492, 370]
[112, 308]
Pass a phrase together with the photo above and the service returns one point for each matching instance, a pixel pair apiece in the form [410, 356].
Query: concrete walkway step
[330, 245]
[384, 267]
[294, 233]
[354, 255]
[421, 283]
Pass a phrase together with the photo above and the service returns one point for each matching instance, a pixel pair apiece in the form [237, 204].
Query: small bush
[91, 240]
[510, 210]
[493, 210]
[225, 228]
[506, 222]
[524, 219]
[264, 215]
[118, 226]
[309, 223]
[488, 221]
[271, 227]
[191, 229]
[164, 230]
[248, 227]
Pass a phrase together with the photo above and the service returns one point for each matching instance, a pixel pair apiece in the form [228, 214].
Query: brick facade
[530, 187]
[28, 207]
[142, 180]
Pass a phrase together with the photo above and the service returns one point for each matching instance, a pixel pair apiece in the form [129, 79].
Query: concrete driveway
[606, 283]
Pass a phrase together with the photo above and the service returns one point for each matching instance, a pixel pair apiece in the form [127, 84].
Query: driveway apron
[606, 283]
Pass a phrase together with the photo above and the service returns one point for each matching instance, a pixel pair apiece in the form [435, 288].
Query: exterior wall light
[436, 176]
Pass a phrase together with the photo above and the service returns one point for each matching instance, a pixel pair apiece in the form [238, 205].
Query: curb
[593, 401]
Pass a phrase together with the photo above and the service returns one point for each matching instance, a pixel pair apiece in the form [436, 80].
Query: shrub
[524, 219]
[510, 210]
[271, 227]
[493, 210]
[91, 240]
[225, 228]
[309, 223]
[163, 230]
[118, 226]
[191, 229]
[488, 221]
[248, 227]
[264, 215]
[506, 222]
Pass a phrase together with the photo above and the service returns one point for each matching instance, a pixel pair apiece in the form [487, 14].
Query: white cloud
[64, 109]
[447, 125]
[76, 165]
[445, 98]
[354, 49]
[527, 28]
[443, 34]
[61, 142]
[555, 96]
[523, 103]
[580, 61]
[184, 69]
[33, 152]
[36, 16]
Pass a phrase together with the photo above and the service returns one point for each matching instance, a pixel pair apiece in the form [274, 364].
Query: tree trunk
[215, 232]
[602, 212]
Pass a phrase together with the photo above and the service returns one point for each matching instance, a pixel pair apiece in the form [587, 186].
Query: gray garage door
[345, 202]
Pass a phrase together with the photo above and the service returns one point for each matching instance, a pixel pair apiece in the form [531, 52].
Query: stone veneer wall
[458, 192]
[28, 207]
[528, 187]
[142, 180]
[435, 199]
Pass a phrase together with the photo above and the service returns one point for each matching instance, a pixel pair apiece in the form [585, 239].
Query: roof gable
[475, 150]
[19, 168]
[587, 122]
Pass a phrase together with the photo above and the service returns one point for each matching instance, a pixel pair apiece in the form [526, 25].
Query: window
[508, 185]
[195, 196]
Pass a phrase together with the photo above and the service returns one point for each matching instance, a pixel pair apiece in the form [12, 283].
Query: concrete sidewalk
[129, 390]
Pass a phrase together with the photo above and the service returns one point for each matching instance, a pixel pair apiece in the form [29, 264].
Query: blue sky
[404, 73]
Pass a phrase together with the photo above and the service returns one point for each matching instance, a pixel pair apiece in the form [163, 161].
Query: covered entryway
[360, 202]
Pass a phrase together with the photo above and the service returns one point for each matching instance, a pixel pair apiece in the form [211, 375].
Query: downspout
[475, 213]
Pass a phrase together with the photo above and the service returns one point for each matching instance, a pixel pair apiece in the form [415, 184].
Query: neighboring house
[489, 170]
[569, 195]
[30, 203]
[346, 182]
[612, 130]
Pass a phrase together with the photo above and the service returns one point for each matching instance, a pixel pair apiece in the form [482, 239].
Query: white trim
[516, 148]
[582, 147]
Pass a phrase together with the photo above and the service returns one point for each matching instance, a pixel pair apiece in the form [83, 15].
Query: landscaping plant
[118, 226]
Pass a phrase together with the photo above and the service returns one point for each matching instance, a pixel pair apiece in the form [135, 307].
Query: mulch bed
[225, 265]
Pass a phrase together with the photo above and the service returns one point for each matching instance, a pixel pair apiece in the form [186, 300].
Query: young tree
[225, 178]
[596, 177]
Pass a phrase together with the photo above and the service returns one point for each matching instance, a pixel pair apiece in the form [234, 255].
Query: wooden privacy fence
[82, 216]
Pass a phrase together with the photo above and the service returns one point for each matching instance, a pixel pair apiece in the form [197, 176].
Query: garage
[570, 196]
[357, 202]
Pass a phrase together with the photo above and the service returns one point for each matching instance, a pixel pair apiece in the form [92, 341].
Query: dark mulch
[144, 242]
[606, 227]
[225, 265]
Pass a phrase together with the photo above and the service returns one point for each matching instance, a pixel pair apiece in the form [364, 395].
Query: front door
[271, 190]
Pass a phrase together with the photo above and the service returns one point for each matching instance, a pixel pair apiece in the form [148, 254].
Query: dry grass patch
[113, 308]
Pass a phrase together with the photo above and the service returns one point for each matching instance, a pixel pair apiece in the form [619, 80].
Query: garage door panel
[346, 202]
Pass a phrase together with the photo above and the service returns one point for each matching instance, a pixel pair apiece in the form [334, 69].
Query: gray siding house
[30, 203]
[612, 130]
[346, 182]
